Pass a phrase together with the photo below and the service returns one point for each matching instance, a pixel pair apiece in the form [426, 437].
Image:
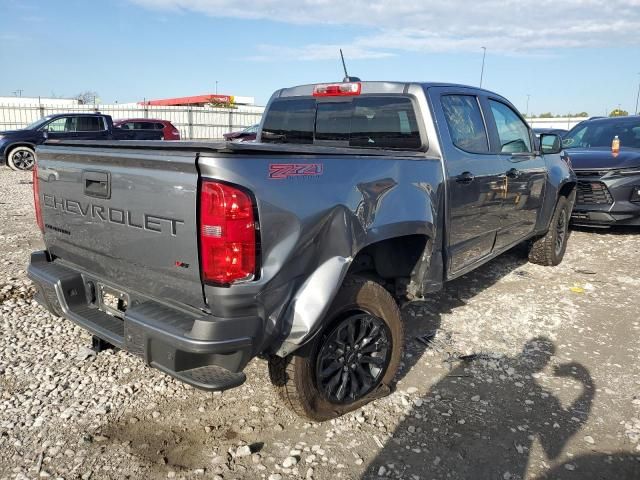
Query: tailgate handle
[96, 184]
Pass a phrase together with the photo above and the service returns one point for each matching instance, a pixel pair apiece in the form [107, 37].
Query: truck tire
[21, 158]
[351, 361]
[549, 249]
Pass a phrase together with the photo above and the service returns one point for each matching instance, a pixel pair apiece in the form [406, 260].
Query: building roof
[193, 100]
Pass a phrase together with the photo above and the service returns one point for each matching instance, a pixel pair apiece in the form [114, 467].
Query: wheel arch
[12, 146]
[412, 255]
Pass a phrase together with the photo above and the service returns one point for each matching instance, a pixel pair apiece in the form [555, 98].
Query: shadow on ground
[479, 423]
[486, 417]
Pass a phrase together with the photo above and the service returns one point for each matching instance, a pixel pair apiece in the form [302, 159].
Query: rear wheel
[352, 361]
[21, 158]
[549, 249]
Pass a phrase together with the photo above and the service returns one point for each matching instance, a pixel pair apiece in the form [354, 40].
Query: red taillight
[227, 234]
[36, 198]
[337, 90]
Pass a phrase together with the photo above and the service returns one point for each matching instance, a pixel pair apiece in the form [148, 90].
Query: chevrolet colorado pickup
[199, 257]
[17, 147]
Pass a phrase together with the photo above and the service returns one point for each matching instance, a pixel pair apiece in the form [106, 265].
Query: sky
[563, 56]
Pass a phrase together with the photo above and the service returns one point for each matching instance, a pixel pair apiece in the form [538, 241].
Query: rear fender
[368, 224]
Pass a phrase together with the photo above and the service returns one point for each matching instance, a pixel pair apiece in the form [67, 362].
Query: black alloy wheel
[353, 358]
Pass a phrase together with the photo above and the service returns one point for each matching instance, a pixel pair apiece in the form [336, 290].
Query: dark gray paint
[311, 228]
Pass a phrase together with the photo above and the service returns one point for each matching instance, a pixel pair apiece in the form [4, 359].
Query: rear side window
[365, 122]
[512, 131]
[89, 124]
[466, 126]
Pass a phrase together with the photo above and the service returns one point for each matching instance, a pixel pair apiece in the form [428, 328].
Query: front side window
[512, 131]
[465, 123]
[62, 125]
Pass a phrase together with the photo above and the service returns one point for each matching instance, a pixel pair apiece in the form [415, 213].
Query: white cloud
[508, 26]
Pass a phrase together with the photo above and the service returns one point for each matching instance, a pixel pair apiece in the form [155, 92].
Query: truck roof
[374, 87]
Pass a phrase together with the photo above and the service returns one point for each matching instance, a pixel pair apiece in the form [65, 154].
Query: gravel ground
[526, 372]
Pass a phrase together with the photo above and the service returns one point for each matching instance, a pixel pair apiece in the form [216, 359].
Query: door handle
[96, 184]
[465, 178]
[513, 173]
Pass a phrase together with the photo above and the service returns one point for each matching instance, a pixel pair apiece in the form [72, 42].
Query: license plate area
[112, 301]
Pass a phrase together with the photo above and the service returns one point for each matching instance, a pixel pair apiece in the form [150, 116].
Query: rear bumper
[204, 351]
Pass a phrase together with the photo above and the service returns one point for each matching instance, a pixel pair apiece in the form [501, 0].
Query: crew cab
[199, 257]
[17, 147]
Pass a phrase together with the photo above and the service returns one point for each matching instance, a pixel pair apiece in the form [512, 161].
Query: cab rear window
[364, 122]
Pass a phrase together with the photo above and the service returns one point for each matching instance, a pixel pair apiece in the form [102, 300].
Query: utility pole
[638, 96]
[484, 54]
[216, 87]
[18, 92]
[527, 114]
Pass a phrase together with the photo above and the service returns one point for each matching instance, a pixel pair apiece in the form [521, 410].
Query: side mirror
[45, 133]
[550, 143]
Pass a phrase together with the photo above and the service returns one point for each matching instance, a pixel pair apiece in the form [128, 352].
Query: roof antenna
[347, 78]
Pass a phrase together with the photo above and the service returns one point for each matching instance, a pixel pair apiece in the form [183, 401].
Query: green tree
[546, 115]
[618, 113]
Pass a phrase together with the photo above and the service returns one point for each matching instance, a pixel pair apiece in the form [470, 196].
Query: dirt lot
[548, 386]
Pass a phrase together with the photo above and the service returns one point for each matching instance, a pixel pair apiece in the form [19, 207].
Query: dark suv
[608, 180]
[17, 147]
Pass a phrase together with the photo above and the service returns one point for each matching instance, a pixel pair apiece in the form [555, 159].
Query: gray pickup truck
[199, 257]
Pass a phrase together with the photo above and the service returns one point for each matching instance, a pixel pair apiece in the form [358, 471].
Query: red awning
[194, 100]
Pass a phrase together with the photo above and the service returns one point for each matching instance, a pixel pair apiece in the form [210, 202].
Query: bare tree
[87, 97]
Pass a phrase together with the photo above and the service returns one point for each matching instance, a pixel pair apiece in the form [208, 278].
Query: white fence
[193, 122]
[566, 123]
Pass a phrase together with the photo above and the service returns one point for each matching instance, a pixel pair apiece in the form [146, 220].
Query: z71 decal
[279, 171]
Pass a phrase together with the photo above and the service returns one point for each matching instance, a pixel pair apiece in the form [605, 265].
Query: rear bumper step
[204, 351]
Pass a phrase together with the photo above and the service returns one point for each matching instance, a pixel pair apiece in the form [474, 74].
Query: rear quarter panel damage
[311, 228]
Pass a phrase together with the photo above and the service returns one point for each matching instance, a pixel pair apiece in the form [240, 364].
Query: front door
[61, 128]
[475, 187]
[524, 173]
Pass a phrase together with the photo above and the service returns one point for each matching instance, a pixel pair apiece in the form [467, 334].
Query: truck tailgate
[125, 216]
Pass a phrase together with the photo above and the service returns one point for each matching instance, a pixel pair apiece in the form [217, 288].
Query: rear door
[524, 172]
[127, 217]
[91, 128]
[474, 185]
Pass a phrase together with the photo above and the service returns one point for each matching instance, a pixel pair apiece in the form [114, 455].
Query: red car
[169, 132]
[247, 135]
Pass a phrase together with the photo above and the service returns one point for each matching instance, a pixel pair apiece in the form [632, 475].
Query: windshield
[600, 133]
[38, 123]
